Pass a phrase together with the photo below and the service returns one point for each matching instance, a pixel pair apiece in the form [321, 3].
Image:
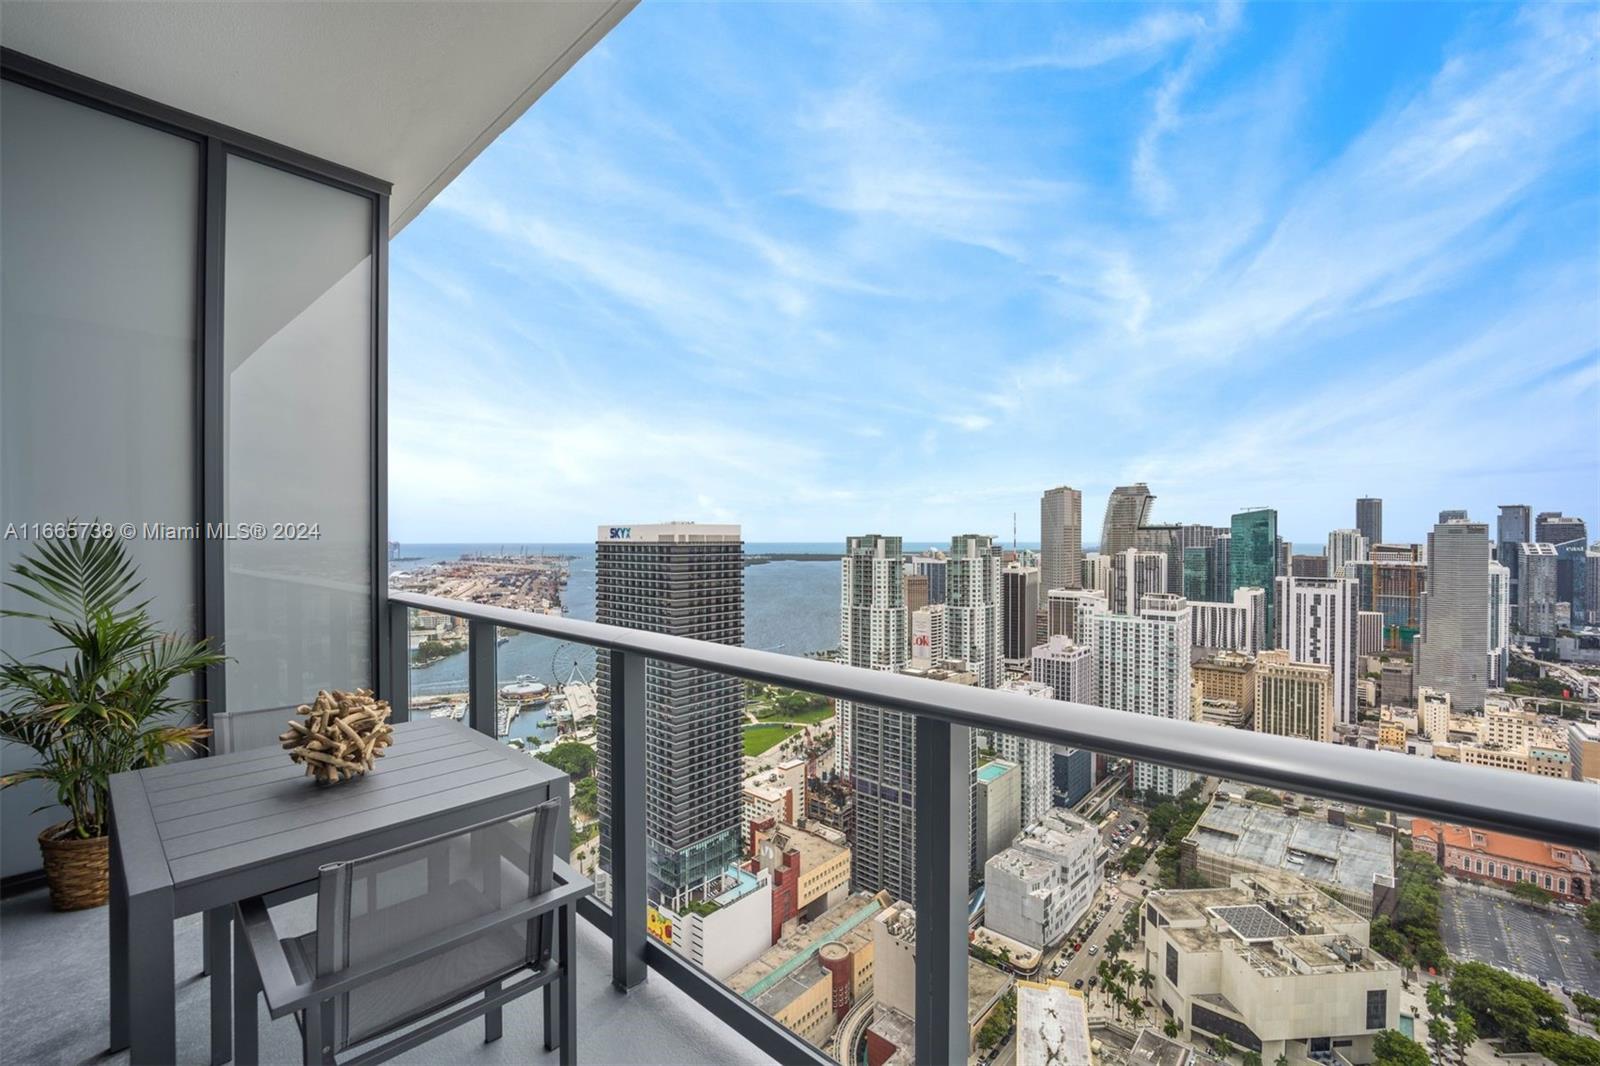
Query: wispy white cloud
[1139, 44]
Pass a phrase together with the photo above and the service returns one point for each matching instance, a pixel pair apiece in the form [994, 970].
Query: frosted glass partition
[298, 351]
[99, 229]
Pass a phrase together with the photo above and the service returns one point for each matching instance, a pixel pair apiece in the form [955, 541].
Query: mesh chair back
[243, 730]
[371, 907]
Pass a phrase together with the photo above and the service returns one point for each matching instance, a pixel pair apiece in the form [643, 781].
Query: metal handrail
[1566, 812]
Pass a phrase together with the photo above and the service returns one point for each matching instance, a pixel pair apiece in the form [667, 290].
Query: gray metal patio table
[196, 836]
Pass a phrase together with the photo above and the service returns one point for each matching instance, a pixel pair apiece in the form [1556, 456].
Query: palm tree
[1222, 1047]
[1147, 980]
[1136, 1011]
[1114, 944]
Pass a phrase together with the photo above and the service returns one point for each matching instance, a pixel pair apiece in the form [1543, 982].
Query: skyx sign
[620, 532]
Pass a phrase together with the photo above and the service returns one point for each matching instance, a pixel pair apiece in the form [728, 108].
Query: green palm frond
[109, 705]
[79, 577]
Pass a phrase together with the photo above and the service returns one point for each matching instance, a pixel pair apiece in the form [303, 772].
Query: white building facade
[1317, 624]
[1236, 626]
[1142, 666]
[1037, 889]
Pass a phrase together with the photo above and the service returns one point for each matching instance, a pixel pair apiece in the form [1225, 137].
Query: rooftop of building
[1052, 1024]
[1280, 925]
[668, 533]
[1497, 844]
[1154, 1049]
[1344, 857]
[1036, 689]
[815, 850]
[849, 923]
[1056, 832]
[994, 769]
[793, 984]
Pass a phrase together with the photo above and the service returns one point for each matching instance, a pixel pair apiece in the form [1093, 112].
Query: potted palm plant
[97, 704]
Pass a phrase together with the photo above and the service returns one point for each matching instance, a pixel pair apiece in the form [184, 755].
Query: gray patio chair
[413, 942]
[233, 731]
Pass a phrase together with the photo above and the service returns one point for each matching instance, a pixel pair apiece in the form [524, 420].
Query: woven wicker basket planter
[78, 870]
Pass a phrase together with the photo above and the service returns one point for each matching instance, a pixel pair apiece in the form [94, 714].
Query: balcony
[257, 169]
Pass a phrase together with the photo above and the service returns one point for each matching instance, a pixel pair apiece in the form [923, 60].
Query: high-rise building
[1553, 527]
[873, 621]
[1197, 574]
[1499, 624]
[1391, 581]
[930, 639]
[1369, 518]
[1239, 625]
[1068, 669]
[1455, 614]
[1060, 538]
[999, 806]
[1096, 573]
[1317, 624]
[916, 591]
[1369, 627]
[1019, 596]
[1142, 666]
[1536, 563]
[1127, 509]
[1134, 575]
[1591, 583]
[1065, 609]
[694, 754]
[972, 605]
[1221, 567]
[1514, 527]
[1033, 757]
[1572, 558]
[1293, 699]
[1253, 557]
[933, 567]
[1345, 546]
[1308, 566]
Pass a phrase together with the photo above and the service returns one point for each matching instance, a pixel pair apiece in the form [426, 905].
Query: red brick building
[1505, 860]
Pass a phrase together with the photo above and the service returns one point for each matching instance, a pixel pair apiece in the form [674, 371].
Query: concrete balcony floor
[53, 996]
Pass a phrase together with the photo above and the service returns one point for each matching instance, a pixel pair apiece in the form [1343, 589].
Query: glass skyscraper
[1253, 557]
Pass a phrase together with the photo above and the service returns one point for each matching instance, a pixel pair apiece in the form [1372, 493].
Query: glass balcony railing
[989, 858]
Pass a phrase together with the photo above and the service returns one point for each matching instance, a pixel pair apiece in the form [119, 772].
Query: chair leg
[552, 1019]
[220, 967]
[246, 984]
[492, 1020]
[569, 990]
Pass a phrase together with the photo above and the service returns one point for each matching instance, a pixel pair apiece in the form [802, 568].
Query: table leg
[151, 996]
[569, 986]
[219, 964]
[117, 949]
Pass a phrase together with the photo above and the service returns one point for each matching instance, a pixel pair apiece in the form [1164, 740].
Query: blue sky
[824, 269]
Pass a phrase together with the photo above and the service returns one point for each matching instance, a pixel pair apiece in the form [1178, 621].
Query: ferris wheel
[566, 665]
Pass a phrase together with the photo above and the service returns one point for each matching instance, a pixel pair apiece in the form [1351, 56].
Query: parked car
[1078, 983]
[1093, 950]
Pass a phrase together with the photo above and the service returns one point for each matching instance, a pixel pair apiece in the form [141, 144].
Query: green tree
[571, 758]
[1466, 1033]
[1263, 795]
[1565, 1049]
[1591, 916]
[1505, 1006]
[1531, 892]
[1586, 1004]
[1222, 1048]
[1252, 1058]
[1171, 1029]
[1393, 1048]
[586, 797]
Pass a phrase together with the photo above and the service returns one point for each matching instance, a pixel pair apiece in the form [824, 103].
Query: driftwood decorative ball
[342, 735]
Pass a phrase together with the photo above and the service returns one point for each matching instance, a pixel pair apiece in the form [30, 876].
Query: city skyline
[838, 288]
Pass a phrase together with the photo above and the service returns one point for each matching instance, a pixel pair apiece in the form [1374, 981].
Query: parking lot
[1523, 939]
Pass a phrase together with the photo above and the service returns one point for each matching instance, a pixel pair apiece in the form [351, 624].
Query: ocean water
[790, 607]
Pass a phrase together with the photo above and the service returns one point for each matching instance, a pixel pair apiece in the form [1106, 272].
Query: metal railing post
[399, 673]
[481, 689]
[625, 765]
[943, 804]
